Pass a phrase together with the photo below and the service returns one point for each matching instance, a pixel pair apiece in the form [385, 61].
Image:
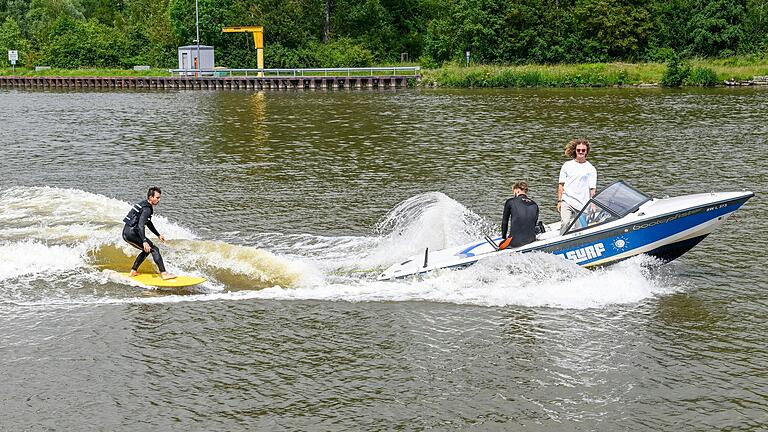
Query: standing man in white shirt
[577, 182]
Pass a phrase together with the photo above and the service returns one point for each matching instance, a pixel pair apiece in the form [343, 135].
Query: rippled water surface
[290, 203]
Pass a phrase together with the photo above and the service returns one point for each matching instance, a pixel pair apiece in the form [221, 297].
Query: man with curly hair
[577, 182]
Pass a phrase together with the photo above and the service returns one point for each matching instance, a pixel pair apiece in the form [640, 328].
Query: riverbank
[707, 73]
[701, 73]
[83, 72]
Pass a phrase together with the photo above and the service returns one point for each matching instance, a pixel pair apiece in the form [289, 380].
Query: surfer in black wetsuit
[139, 217]
[524, 213]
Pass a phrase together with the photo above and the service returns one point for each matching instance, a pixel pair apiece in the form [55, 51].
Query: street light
[197, 29]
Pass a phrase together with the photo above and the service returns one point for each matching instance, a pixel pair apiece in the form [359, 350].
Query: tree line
[338, 33]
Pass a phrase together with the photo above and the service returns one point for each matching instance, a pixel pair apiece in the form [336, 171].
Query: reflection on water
[291, 202]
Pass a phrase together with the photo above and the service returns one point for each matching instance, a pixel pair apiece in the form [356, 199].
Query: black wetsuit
[133, 232]
[524, 214]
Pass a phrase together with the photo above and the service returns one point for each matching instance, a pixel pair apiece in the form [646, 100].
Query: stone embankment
[756, 80]
[209, 83]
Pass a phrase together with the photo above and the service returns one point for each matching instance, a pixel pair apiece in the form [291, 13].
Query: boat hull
[665, 229]
[654, 236]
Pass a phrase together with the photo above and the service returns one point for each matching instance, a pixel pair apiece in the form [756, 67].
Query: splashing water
[431, 220]
[58, 242]
[53, 237]
[533, 280]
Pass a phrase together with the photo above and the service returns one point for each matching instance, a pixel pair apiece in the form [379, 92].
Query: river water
[290, 203]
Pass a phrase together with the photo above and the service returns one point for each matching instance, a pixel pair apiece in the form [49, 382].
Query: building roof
[205, 47]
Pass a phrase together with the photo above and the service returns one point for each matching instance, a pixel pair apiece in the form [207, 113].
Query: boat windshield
[614, 202]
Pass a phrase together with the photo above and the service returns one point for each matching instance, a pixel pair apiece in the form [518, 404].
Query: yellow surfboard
[154, 279]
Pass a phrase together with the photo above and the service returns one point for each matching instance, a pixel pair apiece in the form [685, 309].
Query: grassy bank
[702, 72]
[83, 72]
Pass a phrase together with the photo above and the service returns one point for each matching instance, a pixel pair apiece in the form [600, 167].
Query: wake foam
[67, 215]
[33, 257]
[241, 267]
[44, 231]
[532, 280]
[75, 235]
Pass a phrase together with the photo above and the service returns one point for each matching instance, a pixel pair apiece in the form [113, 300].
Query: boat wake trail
[63, 247]
[532, 280]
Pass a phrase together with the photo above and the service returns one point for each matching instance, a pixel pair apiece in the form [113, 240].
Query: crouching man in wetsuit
[523, 213]
[139, 217]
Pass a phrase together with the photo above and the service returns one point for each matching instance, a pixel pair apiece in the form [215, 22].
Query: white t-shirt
[577, 179]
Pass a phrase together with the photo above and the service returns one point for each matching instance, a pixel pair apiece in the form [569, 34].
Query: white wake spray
[46, 232]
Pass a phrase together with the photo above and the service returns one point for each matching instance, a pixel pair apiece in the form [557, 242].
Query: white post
[197, 29]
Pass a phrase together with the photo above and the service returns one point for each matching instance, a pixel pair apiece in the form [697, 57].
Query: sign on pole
[13, 55]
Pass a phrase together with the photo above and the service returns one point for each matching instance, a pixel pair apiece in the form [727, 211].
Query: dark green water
[291, 202]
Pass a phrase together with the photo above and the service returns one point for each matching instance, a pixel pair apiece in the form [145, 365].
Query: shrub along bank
[674, 73]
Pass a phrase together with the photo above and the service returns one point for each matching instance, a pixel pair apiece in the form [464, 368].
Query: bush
[659, 54]
[76, 43]
[529, 79]
[337, 54]
[278, 56]
[703, 77]
[676, 73]
[341, 53]
[427, 62]
[11, 39]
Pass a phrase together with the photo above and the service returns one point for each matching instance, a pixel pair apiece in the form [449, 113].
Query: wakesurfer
[520, 216]
[137, 219]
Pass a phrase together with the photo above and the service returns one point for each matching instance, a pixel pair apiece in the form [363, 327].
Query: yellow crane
[258, 40]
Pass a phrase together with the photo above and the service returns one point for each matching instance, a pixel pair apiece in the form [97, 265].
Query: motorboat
[619, 222]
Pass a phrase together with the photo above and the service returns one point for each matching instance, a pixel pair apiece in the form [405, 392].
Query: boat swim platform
[210, 83]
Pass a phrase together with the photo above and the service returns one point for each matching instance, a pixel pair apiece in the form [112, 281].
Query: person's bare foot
[134, 273]
[166, 275]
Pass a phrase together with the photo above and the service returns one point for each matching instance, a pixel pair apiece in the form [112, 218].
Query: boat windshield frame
[612, 202]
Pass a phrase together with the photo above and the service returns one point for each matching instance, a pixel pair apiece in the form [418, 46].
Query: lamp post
[197, 30]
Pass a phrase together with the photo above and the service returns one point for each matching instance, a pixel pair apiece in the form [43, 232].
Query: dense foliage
[334, 33]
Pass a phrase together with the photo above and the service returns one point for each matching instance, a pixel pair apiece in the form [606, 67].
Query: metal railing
[297, 73]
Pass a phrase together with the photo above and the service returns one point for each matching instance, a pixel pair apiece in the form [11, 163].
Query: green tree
[551, 30]
[16, 9]
[612, 29]
[409, 19]
[12, 39]
[716, 28]
[104, 11]
[756, 26]
[147, 28]
[368, 23]
[77, 43]
[43, 14]
[477, 26]
[670, 23]
[441, 42]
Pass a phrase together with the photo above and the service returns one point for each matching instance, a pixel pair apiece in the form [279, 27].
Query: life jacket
[132, 219]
